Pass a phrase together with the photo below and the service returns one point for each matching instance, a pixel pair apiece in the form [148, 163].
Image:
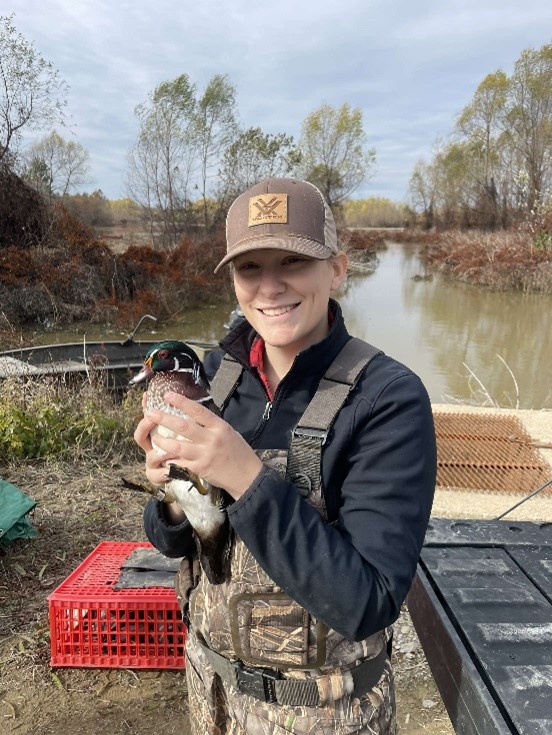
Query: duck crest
[172, 365]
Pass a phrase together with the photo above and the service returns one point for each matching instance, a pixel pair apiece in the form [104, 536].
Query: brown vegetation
[56, 270]
[499, 261]
[23, 212]
[60, 272]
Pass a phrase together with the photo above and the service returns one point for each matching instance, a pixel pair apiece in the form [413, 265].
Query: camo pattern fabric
[249, 618]
[217, 709]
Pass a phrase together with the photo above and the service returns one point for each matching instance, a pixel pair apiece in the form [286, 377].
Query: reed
[499, 261]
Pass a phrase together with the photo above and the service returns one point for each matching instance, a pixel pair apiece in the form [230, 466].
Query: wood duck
[173, 366]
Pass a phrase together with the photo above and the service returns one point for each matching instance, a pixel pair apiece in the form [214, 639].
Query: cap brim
[299, 245]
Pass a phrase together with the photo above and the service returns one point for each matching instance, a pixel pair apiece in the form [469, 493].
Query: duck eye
[162, 354]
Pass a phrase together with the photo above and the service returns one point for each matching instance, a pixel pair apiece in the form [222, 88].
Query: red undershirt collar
[256, 358]
[256, 361]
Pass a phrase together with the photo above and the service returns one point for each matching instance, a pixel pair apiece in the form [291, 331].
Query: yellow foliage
[374, 212]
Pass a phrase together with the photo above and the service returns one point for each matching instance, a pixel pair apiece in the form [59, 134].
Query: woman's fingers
[195, 410]
[142, 433]
[204, 443]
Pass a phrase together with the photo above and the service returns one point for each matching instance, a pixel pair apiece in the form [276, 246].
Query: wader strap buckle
[258, 683]
[310, 433]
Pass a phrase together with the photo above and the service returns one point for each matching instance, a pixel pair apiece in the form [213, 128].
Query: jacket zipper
[266, 412]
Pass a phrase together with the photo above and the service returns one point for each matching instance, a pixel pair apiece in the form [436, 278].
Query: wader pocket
[269, 629]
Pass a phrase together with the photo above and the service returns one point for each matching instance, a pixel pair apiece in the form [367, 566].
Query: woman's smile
[274, 311]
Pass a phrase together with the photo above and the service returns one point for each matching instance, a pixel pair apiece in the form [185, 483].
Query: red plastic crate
[92, 624]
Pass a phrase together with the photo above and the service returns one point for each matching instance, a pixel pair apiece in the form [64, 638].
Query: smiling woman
[326, 449]
[284, 297]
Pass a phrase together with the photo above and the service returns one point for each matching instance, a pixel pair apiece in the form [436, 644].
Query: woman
[329, 505]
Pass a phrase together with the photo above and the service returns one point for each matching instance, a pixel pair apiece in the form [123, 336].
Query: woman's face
[285, 296]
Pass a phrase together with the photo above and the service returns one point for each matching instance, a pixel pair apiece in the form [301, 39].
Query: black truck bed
[481, 604]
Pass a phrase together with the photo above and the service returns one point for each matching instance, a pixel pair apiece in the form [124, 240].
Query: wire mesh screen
[487, 452]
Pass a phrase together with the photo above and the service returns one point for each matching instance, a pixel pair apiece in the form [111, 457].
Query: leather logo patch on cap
[268, 209]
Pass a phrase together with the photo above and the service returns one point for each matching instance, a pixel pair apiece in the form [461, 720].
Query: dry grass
[80, 505]
[499, 261]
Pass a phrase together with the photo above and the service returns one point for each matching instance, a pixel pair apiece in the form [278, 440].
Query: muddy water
[454, 336]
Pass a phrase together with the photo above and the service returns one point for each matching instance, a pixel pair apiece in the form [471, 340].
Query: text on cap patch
[268, 209]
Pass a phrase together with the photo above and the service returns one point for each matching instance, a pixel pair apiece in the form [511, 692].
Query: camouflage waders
[257, 662]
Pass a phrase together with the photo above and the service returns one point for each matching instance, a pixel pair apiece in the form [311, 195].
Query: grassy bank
[504, 261]
[76, 481]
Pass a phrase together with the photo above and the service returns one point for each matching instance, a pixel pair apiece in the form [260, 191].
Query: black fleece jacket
[378, 473]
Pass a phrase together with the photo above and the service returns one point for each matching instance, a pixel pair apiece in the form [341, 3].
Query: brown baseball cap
[281, 214]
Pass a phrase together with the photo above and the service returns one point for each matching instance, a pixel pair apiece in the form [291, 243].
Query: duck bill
[144, 374]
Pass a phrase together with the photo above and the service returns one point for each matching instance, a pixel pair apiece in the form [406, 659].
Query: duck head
[173, 356]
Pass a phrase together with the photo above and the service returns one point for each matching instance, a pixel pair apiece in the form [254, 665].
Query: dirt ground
[79, 506]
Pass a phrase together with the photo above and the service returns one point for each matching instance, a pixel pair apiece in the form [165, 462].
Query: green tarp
[14, 506]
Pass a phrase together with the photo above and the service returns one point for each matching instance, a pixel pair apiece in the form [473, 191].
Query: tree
[479, 122]
[422, 191]
[500, 164]
[253, 156]
[445, 189]
[32, 94]
[374, 212]
[334, 153]
[215, 129]
[510, 122]
[453, 183]
[161, 162]
[56, 166]
[527, 119]
[93, 209]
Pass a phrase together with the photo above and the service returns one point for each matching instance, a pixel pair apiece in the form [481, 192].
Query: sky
[410, 66]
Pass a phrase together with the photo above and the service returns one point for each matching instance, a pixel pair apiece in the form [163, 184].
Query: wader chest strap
[335, 386]
[225, 381]
[308, 437]
[340, 377]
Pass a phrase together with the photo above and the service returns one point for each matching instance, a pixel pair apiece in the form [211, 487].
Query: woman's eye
[294, 260]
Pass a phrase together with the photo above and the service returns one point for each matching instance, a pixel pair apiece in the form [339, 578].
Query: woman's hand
[156, 469]
[207, 446]
[156, 463]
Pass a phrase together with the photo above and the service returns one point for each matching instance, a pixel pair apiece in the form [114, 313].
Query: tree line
[495, 169]
[191, 156]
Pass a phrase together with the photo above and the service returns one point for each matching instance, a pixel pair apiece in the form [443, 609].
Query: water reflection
[444, 330]
[434, 327]
[205, 324]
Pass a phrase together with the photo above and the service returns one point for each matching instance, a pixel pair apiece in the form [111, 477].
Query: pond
[467, 344]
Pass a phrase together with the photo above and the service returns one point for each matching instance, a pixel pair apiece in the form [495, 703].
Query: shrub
[46, 418]
[499, 261]
[24, 217]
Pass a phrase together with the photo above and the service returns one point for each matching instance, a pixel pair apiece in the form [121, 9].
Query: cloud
[410, 67]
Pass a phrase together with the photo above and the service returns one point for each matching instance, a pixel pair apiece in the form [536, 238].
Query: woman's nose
[271, 281]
